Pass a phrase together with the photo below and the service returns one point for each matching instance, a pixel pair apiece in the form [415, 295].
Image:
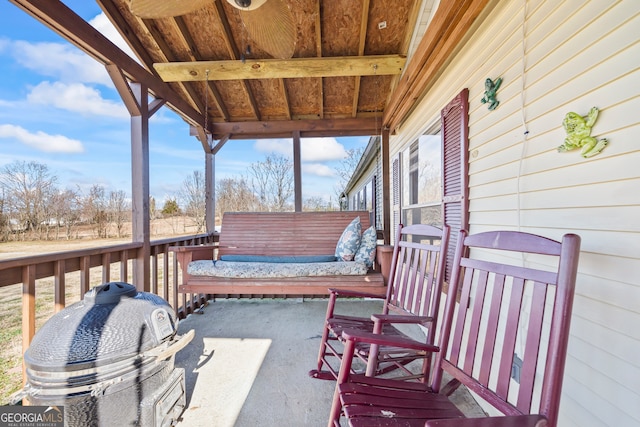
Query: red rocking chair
[517, 304]
[413, 297]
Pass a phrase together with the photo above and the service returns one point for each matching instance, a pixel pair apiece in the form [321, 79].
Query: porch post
[210, 191]
[297, 171]
[140, 187]
[386, 197]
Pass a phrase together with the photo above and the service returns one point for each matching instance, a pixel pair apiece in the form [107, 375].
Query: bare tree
[65, 208]
[234, 195]
[345, 169]
[316, 204]
[119, 210]
[95, 210]
[272, 182]
[28, 189]
[5, 230]
[194, 198]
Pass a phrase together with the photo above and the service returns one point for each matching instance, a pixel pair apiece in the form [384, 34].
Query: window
[422, 183]
[430, 177]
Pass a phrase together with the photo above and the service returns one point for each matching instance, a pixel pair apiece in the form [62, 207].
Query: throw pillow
[349, 241]
[367, 251]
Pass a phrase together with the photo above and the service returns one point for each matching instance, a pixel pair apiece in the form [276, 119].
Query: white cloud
[317, 169]
[279, 146]
[61, 61]
[42, 141]
[322, 150]
[76, 97]
[102, 24]
[312, 149]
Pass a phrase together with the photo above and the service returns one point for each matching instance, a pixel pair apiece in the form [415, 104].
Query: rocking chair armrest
[507, 421]
[386, 340]
[401, 318]
[354, 294]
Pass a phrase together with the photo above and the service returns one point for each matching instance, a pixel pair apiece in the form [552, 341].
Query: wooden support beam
[140, 189]
[307, 128]
[281, 68]
[297, 171]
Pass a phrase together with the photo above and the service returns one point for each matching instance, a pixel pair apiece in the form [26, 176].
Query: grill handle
[162, 353]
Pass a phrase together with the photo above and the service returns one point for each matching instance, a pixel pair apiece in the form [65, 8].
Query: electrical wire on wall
[522, 106]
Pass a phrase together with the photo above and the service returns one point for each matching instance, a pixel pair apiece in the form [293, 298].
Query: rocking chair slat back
[510, 315]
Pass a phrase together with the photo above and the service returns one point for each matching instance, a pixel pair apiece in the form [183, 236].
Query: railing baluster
[59, 284]
[106, 267]
[154, 270]
[124, 266]
[28, 308]
[85, 274]
[165, 278]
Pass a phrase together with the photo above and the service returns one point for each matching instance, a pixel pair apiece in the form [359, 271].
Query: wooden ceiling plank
[57, 16]
[165, 51]
[234, 54]
[282, 68]
[364, 23]
[187, 39]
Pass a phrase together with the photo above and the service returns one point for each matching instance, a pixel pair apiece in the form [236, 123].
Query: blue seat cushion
[279, 258]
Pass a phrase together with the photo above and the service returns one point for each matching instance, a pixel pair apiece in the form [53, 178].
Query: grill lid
[112, 323]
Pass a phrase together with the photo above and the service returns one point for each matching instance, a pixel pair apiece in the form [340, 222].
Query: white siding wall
[575, 55]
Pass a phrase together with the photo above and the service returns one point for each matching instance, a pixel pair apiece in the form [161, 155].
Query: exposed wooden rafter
[282, 68]
[364, 22]
[234, 55]
[195, 55]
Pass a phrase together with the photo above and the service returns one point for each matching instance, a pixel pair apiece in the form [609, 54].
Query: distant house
[457, 161]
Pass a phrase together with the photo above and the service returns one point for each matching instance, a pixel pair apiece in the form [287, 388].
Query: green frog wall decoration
[578, 130]
[490, 89]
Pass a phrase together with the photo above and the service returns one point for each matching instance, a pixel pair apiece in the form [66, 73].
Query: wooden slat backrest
[510, 308]
[415, 279]
[285, 233]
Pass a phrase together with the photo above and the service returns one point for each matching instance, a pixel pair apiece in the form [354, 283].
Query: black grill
[108, 360]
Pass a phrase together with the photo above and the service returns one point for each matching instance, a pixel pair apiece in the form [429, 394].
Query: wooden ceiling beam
[307, 128]
[57, 16]
[282, 68]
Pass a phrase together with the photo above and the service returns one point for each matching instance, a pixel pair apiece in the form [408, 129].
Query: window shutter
[455, 170]
[395, 209]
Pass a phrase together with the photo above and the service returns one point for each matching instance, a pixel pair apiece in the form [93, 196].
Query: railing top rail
[78, 253]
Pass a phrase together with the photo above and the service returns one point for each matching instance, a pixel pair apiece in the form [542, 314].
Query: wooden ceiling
[348, 58]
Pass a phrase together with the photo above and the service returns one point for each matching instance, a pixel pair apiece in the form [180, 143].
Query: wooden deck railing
[96, 266]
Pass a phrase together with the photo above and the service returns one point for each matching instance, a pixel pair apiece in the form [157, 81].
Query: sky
[59, 107]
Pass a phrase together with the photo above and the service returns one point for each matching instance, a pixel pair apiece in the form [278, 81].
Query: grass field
[11, 296]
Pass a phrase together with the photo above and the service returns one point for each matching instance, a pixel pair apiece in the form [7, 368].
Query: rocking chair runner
[503, 309]
[413, 297]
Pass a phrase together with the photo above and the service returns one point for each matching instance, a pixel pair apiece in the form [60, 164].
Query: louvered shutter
[455, 188]
[395, 209]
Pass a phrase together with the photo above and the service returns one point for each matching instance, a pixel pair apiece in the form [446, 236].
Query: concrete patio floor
[248, 363]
